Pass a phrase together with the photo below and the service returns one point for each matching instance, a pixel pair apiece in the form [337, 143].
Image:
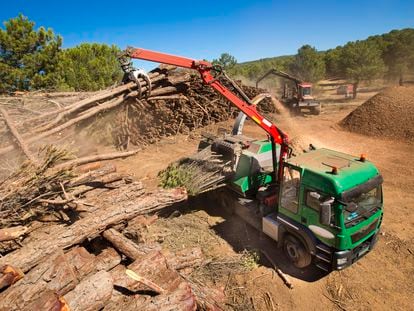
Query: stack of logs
[62, 245]
[86, 262]
[178, 103]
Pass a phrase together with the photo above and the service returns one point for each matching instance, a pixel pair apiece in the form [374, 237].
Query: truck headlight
[341, 261]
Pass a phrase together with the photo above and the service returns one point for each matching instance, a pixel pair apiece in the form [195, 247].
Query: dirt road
[380, 281]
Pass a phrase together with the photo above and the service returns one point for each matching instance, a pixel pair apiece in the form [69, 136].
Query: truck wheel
[316, 110]
[296, 252]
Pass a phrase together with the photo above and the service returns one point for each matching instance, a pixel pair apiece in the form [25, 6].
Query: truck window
[290, 189]
[313, 199]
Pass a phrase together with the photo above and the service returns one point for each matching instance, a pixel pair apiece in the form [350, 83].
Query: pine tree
[28, 57]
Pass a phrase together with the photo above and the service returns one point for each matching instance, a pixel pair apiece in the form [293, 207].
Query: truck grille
[363, 232]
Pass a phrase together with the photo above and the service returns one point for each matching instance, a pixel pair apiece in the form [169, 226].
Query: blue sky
[204, 29]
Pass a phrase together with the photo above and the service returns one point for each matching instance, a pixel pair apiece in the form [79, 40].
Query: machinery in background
[297, 97]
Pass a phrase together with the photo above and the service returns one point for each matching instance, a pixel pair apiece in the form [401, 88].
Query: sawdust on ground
[390, 113]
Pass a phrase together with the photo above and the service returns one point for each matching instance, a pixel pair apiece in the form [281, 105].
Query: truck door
[289, 193]
[311, 211]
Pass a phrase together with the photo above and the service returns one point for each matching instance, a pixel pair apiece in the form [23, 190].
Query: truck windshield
[362, 206]
[306, 91]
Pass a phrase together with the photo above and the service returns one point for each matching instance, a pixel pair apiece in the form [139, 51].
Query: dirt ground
[382, 280]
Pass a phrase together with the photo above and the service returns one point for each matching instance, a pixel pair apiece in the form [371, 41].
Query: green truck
[327, 209]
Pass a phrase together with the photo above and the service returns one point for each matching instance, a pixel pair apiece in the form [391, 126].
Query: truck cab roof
[319, 165]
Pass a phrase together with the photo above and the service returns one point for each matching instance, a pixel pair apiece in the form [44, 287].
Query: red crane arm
[205, 68]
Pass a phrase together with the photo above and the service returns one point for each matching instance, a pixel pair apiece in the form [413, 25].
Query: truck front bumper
[343, 259]
[306, 104]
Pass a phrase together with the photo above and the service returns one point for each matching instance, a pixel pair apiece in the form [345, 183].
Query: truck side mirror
[326, 212]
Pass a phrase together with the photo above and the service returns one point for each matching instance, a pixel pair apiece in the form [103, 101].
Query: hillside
[394, 50]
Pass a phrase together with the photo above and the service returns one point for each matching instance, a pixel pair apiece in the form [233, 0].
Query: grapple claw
[135, 75]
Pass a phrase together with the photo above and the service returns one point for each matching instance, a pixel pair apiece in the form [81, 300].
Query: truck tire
[296, 252]
[316, 110]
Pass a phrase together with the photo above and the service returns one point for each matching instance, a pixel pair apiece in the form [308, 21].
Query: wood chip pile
[390, 113]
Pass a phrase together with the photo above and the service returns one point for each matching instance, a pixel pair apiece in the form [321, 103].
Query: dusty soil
[382, 280]
[389, 113]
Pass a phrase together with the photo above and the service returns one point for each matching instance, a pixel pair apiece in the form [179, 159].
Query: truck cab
[332, 204]
[305, 91]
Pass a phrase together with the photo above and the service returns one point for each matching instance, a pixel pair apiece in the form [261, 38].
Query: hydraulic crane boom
[205, 69]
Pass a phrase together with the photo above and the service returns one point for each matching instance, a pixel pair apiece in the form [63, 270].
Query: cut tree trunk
[9, 275]
[180, 299]
[113, 213]
[154, 266]
[17, 136]
[154, 77]
[186, 258]
[12, 233]
[124, 245]
[59, 273]
[192, 257]
[92, 293]
[92, 175]
[48, 301]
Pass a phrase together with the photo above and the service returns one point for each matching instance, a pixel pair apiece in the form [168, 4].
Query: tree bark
[186, 258]
[12, 233]
[99, 181]
[92, 293]
[152, 266]
[125, 245]
[59, 273]
[180, 299]
[9, 275]
[92, 175]
[48, 301]
[113, 213]
[179, 260]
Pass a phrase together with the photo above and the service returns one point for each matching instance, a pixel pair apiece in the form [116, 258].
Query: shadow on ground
[241, 236]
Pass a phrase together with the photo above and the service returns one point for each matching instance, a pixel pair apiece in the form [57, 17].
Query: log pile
[178, 103]
[65, 238]
[85, 261]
